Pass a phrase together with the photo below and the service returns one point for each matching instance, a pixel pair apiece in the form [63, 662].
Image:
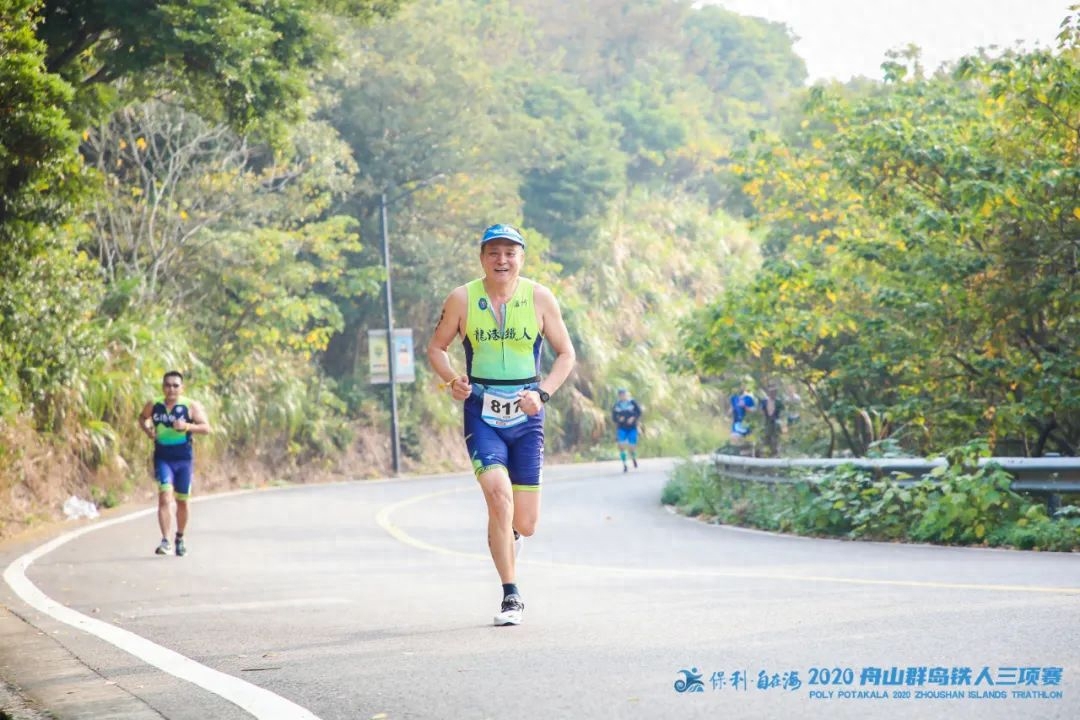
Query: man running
[170, 422]
[503, 320]
[741, 401]
[626, 412]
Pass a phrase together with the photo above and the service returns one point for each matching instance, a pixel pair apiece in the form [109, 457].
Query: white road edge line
[261, 703]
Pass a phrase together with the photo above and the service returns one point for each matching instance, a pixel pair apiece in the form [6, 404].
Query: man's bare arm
[147, 427]
[450, 325]
[200, 424]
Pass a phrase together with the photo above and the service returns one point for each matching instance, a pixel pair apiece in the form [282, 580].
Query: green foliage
[690, 489]
[282, 409]
[44, 288]
[46, 299]
[623, 317]
[966, 505]
[675, 489]
[961, 504]
[260, 318]
[653, 127]
[238, 62]
[196, 53]
[685, 84]
[37, 144]
[106, 498]
[562, 136]
[696, 490]
[418, 99]
[915, 271]
[742, 59]
[1036, 531]
[578, 174]
[233, 155]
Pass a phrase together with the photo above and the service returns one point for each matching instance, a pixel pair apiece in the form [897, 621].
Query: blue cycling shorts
[626, 435]
[519, 449]
[174, 473]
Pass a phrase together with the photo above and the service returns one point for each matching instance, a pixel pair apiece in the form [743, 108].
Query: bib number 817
[504, 408]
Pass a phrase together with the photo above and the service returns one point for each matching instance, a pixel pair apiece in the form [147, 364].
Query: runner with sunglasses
[170, 422]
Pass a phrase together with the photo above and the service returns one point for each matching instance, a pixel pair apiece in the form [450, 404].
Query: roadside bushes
[961, 504]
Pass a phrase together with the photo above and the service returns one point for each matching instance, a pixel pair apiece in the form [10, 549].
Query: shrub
[961, 503]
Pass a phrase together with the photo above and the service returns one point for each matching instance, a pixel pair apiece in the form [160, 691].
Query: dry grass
[37, 476]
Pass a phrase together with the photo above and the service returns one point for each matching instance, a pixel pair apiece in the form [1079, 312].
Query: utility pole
[395, 439]
[384, 205]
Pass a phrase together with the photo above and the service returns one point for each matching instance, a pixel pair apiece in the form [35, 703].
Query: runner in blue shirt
[626, 412]
[740, 403]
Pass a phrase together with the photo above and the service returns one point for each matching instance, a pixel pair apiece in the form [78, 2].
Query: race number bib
[502, 408]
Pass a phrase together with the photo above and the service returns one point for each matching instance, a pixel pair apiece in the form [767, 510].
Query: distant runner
[626, 412]
[740, 403]
[170, 422]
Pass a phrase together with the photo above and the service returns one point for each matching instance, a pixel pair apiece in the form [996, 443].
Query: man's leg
[163, 474]
[165, 510]
[526, 510]
[495, 483]
[526, 468]
[181, 516]
[182, 487]
[500, 502]
[181, 523]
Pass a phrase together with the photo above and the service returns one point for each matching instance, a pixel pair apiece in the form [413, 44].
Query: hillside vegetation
[197, 186]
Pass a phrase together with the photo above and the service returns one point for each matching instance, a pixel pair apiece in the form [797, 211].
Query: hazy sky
[842, 38]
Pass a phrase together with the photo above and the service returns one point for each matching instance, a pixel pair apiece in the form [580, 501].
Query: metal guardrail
[1049, 476]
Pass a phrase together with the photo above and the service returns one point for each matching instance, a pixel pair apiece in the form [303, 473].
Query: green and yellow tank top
[506, 353]
[172, 444]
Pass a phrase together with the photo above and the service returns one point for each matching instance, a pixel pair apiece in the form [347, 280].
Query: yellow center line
[383, 519]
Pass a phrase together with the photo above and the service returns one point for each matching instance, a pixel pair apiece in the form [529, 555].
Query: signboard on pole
[404, 361]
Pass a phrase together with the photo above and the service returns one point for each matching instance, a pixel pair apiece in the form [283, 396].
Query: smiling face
[502, 260]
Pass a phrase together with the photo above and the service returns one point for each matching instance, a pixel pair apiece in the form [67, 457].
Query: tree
[64, 66]
[745, 60]
[237, 61]
[579, 173]
[423, 105]
[43, 287]
[922, 279]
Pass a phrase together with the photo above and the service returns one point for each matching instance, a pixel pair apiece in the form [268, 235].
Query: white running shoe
[511, 611]
[518, 542]
[164, 548]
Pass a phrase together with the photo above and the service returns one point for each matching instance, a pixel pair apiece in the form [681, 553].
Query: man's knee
[499, 499]
[526, 512]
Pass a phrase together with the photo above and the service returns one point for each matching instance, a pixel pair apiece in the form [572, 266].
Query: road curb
[38, 672]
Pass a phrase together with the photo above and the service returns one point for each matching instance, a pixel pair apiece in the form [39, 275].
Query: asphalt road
[373, 600]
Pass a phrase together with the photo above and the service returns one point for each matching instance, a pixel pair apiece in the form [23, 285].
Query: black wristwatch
[544, 395]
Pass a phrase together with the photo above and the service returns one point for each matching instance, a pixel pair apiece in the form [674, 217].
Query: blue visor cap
[505, 232]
